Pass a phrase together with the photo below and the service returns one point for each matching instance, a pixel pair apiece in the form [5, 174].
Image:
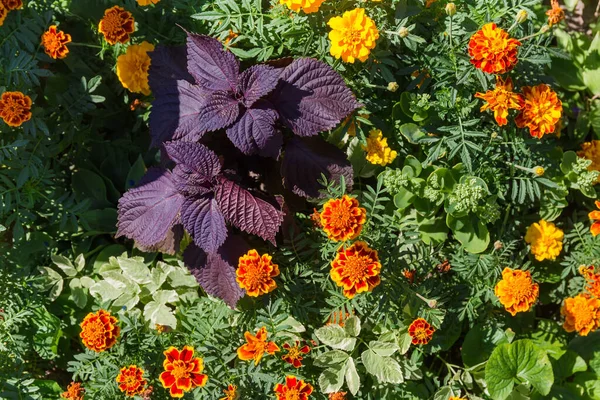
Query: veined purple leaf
[148, 212]
[257, 82]
[255, 132]
[176, 111]
[247, 212]
[306, 159]
[195, 157]
[312, 97]
[202, 218]
[168, 64]
[170, 245]
[189, 183]
[213, 67]
[220, 110]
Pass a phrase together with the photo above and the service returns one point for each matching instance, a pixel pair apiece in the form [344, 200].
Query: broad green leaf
[80, 263]
[138, 169]
[415, 164]
[470, 232]
[157, 313]
[105, 291]
[352, 326]
[109, 251]
[480, 342]
[330, 358]
[129, 299]
[64, 264]
[385, 369]
[520, 361]
[568, 364]
[405, 341]
[352, 378]
[165, 296]
[332, 379]
[180, 277]
[412, 132]
[86, 281]
[135, 269]
[54, 283]
[403, 198]
[335, 336]
[443, 393]
[292, 325]
[79, 297]
[383, 348]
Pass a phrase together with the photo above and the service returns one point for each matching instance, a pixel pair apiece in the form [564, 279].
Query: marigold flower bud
[393, 86]
[403, 32]
[521, 16]
[539, 171]
[450, 9]
[544, 29]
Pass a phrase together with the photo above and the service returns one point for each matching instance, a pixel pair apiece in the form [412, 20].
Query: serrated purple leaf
[202, 218]
[176, 113]
[170, 245]
[306, 159]
[312, 97]
[190, 184]
[213, 67]
[255, 132]
[220, 111]
[148, 212]
[248, 213]
[168, 64]
[195, 157]
[257, 82]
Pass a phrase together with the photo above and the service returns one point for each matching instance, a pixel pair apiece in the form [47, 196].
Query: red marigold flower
[256, 346]
[131, 380]
[55, 42]
[182, 372]
[3, 13]
[99, 331]
[116, 25]
[492, 50]
[356, 269]
[516, 291]
[420, 331]
[556, 14]
[541, 110]
[293, 389]
[74, 392]
[343, 219]
[230, 393]
[294, 355]
[255, 273]
[592, 280]
[500, 100]
[582, 314]
[337, 396]
[12, 4]
[595, 217]
[15, 108]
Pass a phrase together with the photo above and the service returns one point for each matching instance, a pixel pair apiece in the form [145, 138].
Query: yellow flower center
[130, 381]
[257, 276]
[180, 369]
[421, 334]
[294, 353]
[95, 331]
[292, 394]
[354, 36]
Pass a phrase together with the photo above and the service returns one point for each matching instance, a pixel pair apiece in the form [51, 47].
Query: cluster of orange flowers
[582, 312]
[7, 6]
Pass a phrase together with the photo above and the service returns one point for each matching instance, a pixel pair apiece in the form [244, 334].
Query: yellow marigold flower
[539, 171]
[500, 100]
[132, 68]
[492, 50]
[230, 393]
[595, 218]
[541, 110]
[255, 273]
[116, 25]
[55, 42]
[99, 331]
[591, 151]
[356, 269]
[582, 314]
[256, 346]
[352, 36]
[516, 291]
[556, 14]
[12, 4]
[74, 392]
[15, 108]
[3, 13]
[337, 396]
[545, 240]
[147, 2]
[378, 151]
[308, 6]
[131, 380]
[420, 331]
[343, 219]
[592, 280]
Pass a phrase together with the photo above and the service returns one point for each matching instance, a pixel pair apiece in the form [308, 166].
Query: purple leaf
[167, 66]
[255, 131]
[148, 212]
[194, 157]
[202, 218]
[306, 159]
[168, 246]
[176, 112]
[247, 212]
[213, 67]
[312, 97]
[189, 183]
[220, 111]
[256, 82]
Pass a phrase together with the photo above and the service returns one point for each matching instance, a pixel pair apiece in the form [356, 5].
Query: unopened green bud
[403, 32]
[393, 86]
[521, 16]
[450, 9]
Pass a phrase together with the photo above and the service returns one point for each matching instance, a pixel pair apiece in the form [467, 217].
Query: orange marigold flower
[230, 393]
[12, 4]
[591, 151]
[182, 371]
[516, 291]
[492, 50]
[444, 266]
[256, 346]
[255, 273]
[409, 274]
[3, 13]
[352, 36]
[595, 218]
[592, 279]
[500, 100]
[232, 35]
[293, 389]
[74, 392]
[55, 42]
[315, 217]
[295, 352]
[99, 331]
[15, 108]
[133, 66]
[420, 331]
[541, 110]
[308, 6]
[424, 76]
[556, 14]
[356, 269]
[337, 396]
[131, 380]
[582, 314]
[147, 2]
[546, 240]
[343, 219]
[116, 25]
